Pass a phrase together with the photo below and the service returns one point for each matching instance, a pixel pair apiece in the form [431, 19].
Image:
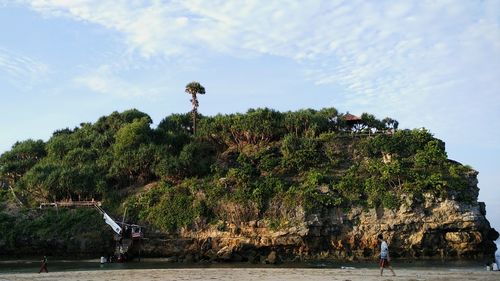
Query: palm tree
[193, 89]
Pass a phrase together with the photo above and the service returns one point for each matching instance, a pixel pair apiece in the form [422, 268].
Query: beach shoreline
[254, 274]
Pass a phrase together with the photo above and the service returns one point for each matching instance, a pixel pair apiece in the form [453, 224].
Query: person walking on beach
[44, 265]
[384, 256]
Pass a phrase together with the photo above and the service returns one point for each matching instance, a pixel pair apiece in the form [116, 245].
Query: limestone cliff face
[431, 229]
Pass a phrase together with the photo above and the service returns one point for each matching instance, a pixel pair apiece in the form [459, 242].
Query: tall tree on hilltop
[193, 89]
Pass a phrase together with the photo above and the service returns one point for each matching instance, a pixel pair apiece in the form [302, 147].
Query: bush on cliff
[53, 232]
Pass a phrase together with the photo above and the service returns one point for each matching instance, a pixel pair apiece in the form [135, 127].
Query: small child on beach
[384, 255]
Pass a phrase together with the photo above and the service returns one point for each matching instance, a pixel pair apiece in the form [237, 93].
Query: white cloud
[384, 53]
[105, 80]
[22, 71]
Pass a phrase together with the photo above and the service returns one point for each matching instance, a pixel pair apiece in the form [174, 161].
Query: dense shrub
[300, 154]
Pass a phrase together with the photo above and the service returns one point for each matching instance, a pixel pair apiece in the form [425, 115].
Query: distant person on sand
[384, 256]
[44, 265]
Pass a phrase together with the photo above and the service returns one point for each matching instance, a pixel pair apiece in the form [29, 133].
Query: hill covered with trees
[263, 166]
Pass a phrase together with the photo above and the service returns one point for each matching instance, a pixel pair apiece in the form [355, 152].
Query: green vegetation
[237, 167]
[58, 232]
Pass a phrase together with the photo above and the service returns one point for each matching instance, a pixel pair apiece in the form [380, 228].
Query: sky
[432, 64]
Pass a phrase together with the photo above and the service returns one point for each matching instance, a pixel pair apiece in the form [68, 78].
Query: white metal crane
[109, 221]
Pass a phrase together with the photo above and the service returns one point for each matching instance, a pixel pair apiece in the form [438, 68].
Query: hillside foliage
[258, 165]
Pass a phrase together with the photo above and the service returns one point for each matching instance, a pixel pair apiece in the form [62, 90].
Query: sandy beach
[250, 274]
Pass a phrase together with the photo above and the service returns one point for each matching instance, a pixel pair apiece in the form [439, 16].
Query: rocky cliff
[263, 185]
[431, 229]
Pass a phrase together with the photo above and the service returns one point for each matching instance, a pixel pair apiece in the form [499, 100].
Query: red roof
[350, 117]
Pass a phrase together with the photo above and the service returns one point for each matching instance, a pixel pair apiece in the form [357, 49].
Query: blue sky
[433, 64]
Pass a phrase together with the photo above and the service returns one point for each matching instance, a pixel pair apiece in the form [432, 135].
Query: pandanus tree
[193, 89]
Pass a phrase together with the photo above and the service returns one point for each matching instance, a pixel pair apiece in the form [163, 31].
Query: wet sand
[254, 274]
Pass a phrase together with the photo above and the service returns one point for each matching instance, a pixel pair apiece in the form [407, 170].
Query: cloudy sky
[433, 64]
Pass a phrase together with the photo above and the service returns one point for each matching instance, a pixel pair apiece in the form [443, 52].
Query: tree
[193, 89]
[132, 135]
[371, 123]
[22, 157]
[134, 153]
[14, 164]
[390, 124]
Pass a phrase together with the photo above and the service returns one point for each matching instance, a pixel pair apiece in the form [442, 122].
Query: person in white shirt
[384, 256]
